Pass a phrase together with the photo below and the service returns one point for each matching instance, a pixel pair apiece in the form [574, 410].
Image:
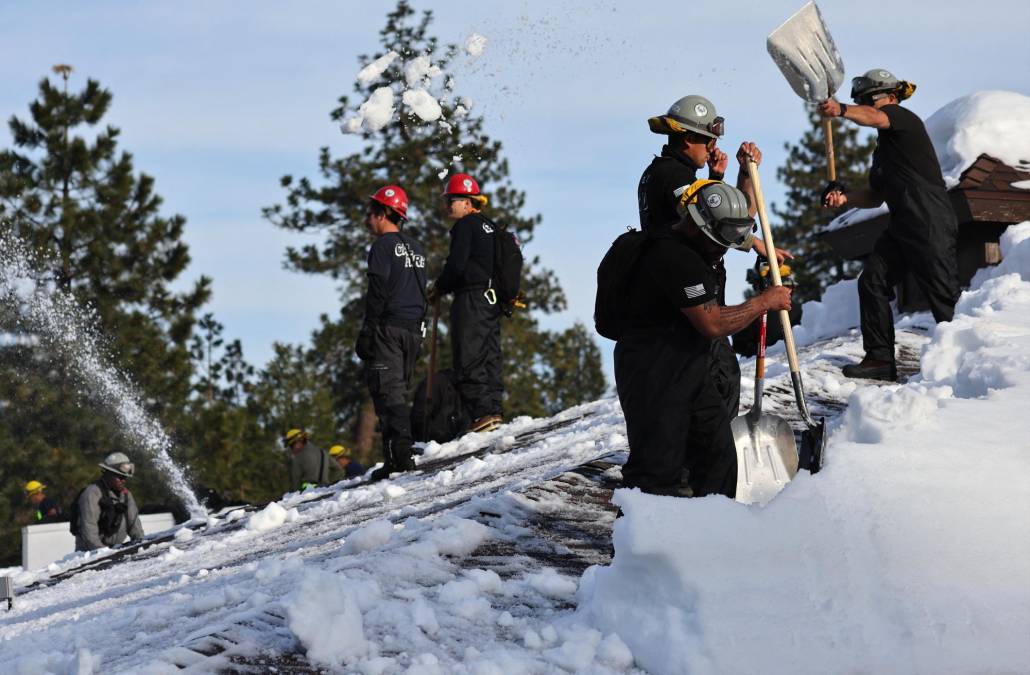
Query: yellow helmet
[34, 486]
[338, 450]
[294, 435]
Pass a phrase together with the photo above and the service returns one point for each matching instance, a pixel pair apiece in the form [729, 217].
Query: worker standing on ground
[350, 467]
[475, 319]
[923, 231]
[44, 509]
[105, 513]
[692, 129]
[677, 422]
[391, 335]
[309, 465]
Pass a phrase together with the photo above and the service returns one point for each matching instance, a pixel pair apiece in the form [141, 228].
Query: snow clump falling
[373, 114]
[475, 44]
[422, 103]
[372, 71]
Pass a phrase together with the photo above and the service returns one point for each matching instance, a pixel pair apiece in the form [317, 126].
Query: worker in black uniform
[676, 420]
[693, 128]
[475, 312]
[923, 231]
[394, 325]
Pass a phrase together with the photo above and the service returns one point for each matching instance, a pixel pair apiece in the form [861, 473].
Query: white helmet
[118, 463]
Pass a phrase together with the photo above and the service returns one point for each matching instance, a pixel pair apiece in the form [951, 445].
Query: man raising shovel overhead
[923, 231]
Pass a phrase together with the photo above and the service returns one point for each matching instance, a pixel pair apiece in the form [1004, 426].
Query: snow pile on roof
[995, 123]
[833, 314]
[907, 553]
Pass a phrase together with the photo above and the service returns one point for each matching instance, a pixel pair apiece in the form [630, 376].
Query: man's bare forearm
[732, 319]
[867, 116]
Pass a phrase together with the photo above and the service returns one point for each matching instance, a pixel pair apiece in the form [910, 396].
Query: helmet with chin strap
[720, 211]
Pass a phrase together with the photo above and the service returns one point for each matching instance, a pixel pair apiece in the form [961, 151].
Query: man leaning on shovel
[923, 230]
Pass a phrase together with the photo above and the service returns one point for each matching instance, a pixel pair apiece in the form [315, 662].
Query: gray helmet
[874, 81]
[118, 463]
[720, 211]
[690, 113]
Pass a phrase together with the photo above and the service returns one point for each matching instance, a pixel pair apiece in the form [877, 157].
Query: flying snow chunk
[369, 73]
[475, 44]
[373, 114]
[419, 69]
[422, 104]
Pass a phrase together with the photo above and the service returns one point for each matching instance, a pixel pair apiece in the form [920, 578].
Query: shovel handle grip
[831, 162]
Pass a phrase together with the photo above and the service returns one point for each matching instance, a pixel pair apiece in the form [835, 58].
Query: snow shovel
[767, 457]
[813, 439]
[805, 53]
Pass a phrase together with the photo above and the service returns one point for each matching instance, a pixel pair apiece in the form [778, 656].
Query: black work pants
[676, 421]
[725, 372]
[921, 239]
[476, 347]
[388, 375]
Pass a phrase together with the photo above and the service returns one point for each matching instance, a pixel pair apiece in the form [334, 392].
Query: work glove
[365, 345]
[833, 186]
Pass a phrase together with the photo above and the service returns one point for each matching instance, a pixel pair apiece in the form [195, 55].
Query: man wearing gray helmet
[693, 128]
[923, 231]
[104, 513]
[676, 420]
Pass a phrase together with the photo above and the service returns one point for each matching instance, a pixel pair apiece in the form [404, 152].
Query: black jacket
[470, 263]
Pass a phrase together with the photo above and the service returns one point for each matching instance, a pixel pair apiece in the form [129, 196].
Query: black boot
[872, 369]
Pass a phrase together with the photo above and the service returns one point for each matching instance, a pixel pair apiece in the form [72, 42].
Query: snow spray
[67, 328]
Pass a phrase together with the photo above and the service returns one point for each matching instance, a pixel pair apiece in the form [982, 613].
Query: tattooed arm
[714, 321]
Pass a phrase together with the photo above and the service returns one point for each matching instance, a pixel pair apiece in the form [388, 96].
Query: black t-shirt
[396, 279]
[664, 180]
[904, 156]
[670, 276]
[470, 261]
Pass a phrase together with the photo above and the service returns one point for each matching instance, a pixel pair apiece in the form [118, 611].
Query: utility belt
[488, 291]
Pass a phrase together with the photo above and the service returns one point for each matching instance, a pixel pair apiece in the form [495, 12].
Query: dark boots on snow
[872, 369]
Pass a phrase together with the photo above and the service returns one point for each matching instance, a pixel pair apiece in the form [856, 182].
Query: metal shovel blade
[767, 456]
[804, 51]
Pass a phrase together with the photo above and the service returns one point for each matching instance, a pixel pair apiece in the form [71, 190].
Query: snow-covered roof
[994, 123]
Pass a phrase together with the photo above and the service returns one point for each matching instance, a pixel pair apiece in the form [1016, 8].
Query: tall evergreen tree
[802, 216]
[417, 155]
[76, 200]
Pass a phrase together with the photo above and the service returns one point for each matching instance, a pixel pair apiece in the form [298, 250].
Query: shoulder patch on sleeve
[695, 291]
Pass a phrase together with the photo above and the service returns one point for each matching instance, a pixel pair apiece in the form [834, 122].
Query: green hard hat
[691, 113]
[720, 211]
[873, 82]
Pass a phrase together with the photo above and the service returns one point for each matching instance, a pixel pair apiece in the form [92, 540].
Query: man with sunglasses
[475, 312]
[676, 419]
[105, 513]
[693, 129]
[923, 231]
[394, 325]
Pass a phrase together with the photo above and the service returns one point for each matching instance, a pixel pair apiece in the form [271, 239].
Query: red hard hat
[394, 197]
[462, 184]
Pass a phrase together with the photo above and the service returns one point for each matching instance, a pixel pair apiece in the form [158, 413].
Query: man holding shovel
[693, 129]
[676, 420]
[923, 231]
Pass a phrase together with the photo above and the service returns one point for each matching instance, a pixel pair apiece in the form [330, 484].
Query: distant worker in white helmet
[922, 237]
[104, 513]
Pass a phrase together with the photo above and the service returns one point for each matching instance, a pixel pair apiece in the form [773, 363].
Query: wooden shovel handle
[774, 266]
[831, 161]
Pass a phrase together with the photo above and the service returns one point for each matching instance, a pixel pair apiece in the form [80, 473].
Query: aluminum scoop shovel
[767, 456]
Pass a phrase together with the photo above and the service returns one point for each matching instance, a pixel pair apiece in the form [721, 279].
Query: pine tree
[95, 224]
[417, 155]
[802, 216]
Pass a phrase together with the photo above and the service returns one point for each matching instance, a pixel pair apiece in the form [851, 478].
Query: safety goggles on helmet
[123, 470]
[717, 126]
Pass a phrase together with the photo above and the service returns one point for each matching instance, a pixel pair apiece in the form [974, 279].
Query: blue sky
[217, 100]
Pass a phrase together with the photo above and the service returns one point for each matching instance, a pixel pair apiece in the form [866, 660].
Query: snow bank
[907, 553]
[833, 314]
[996, 123]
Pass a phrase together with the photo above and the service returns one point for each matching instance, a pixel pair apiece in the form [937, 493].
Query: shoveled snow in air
[906, 554]
[416, 82]
[995, 123]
